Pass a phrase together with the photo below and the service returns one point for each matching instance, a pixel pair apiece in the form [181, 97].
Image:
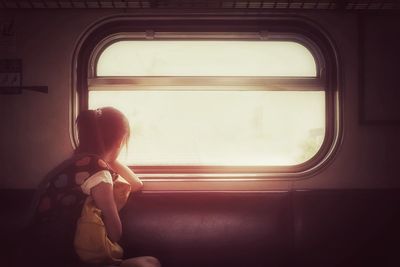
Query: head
[103, 131]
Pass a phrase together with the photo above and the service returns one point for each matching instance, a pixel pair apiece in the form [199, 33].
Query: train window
[206, 58]
[213, 105]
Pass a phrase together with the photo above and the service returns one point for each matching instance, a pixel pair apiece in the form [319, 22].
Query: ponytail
[99, 130]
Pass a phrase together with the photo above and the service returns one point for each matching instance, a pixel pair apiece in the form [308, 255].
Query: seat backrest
[209, 228]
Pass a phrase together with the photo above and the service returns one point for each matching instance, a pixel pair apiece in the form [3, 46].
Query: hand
[127, 174]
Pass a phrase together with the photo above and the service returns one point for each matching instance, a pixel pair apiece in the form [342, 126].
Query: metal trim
[179, 83]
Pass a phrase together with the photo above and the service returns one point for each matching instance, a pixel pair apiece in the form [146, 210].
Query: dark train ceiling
[338, 5]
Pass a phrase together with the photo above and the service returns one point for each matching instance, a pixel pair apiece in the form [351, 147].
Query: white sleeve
[99, 177]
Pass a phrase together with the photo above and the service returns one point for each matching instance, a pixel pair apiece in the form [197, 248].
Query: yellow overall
[91, 242]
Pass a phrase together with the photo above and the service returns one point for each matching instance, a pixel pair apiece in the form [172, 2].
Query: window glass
[219, 127]
[278, 120]
[206, 58]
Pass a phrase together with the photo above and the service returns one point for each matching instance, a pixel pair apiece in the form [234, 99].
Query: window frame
[279, 28]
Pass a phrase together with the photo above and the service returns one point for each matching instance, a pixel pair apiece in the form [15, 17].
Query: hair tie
[98, 112]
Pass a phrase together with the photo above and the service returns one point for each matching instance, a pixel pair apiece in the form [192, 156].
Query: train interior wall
[348, 208]
[35, 126]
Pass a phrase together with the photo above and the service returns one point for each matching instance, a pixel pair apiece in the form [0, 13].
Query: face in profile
[116, 150]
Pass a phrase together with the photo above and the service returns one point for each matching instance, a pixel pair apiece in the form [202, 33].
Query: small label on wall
[10, 72]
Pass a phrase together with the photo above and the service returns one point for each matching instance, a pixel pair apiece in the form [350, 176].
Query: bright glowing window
[206, 58]
[214, 103]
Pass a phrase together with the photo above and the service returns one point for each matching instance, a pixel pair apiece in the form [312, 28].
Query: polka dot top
[67, 190]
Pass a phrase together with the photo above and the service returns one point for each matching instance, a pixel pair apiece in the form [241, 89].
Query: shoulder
[90, 164]
[103, 176]
[91, 160]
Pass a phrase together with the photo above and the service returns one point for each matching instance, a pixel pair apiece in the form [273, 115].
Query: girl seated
[92, 171]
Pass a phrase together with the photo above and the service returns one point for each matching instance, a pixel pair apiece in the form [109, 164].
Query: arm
[103, 197]
[127, 174]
